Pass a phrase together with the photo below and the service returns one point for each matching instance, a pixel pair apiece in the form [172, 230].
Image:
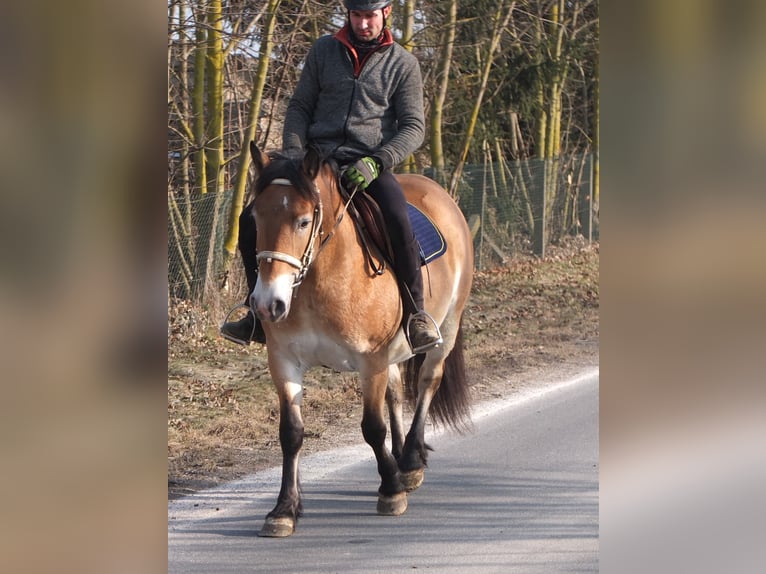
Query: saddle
[369, 221]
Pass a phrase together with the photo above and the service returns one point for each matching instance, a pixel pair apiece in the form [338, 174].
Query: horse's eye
[304, 223]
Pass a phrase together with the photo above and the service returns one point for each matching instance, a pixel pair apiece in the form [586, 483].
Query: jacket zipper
[357, 71]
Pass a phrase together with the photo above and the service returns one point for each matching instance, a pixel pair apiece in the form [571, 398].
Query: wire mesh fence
[512, 208]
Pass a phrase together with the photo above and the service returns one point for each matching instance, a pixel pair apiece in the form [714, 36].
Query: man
[359, 100]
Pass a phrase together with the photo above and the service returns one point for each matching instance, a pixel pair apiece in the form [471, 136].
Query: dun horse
[322, 304]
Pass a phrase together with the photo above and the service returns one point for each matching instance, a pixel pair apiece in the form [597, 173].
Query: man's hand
[361, 174]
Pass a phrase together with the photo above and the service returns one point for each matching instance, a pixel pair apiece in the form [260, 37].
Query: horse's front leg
[392, 497]
[281, 521]
[394, 400]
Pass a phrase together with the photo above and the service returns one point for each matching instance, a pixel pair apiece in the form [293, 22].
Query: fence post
[538, 207]
[585, 214]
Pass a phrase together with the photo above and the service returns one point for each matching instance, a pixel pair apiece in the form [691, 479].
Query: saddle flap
[373, 224]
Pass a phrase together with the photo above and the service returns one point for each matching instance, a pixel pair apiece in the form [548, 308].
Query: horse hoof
[392, 505]
[277, 528]
[412, 479]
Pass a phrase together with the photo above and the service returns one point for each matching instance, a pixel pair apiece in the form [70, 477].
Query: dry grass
[524, 317]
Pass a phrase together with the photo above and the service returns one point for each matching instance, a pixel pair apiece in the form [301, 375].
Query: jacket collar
[344, 37]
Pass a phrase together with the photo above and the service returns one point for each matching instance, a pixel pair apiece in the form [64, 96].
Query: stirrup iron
[429, 346]
[232, 338]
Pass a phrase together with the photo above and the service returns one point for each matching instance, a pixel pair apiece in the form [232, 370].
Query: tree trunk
[180, 242]
[408, 24]
[437, 107]
[497, 31]
[243, 164]
[208, 209]
[596, 127]
[549, 119]
[198, 100]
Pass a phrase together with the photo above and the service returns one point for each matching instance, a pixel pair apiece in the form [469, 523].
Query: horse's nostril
[278, 309]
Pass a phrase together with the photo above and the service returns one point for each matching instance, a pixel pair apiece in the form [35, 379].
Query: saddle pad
[432, 243]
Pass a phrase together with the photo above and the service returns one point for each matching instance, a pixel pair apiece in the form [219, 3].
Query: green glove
[361, 174]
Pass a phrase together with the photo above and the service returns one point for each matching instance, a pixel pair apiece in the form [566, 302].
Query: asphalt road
[519, 494]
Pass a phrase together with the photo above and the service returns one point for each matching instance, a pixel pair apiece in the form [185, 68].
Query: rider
[359, 100]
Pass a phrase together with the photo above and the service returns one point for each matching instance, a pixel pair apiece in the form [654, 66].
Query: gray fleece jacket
[350, 109]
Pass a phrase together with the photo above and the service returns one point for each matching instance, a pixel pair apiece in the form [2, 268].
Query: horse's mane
[289, 165]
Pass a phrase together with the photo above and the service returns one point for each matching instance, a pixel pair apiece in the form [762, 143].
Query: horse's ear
[312, 161]
[260, 159]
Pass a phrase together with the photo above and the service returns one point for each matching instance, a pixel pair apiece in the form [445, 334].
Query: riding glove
[362, 173]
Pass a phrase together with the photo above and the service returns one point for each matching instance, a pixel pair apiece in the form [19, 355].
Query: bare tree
[442, 79]
[254, 107]
[500, 22]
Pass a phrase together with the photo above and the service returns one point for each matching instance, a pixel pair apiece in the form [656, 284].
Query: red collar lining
[344, 37]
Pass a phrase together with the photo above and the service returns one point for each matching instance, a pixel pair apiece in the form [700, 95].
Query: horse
[322, 304]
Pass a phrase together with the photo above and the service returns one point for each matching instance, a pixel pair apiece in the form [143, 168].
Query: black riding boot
[423, 331]
[244, 331]
[249, 328]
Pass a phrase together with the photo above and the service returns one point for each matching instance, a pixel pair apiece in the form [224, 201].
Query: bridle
[310, 253]
[302, 264]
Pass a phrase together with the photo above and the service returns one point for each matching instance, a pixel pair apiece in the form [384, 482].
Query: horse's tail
[451, 405]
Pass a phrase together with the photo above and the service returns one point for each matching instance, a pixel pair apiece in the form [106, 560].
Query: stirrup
[423, 348]
[232, 338]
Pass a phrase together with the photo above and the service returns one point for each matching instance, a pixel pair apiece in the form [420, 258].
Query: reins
[357, 220]
[337, 220]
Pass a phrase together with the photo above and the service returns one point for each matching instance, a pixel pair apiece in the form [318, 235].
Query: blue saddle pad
[432, 243]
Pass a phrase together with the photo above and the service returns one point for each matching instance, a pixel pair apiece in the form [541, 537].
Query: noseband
[302, 264]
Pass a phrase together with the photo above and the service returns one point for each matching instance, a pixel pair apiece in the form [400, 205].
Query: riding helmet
[365, 5]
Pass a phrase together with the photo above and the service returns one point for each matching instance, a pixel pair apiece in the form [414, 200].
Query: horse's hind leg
[281, 521]
[442, 370]
[392, 497]
[414, 457]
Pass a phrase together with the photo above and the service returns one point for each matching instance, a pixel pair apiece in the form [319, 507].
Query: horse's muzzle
[270, 300]
[273, 311]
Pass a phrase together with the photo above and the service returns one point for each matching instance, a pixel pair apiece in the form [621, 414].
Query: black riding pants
[246, 244]
[387, 192]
